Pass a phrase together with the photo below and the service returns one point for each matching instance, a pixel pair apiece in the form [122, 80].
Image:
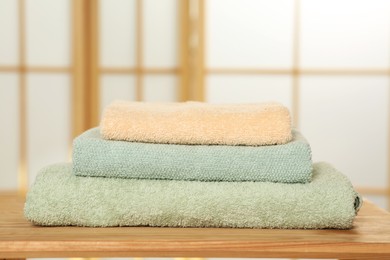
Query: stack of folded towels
[193, 165]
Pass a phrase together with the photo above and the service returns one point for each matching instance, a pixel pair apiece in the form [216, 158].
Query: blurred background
[63, 61]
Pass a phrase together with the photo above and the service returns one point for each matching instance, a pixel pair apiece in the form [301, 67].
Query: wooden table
[369, 239]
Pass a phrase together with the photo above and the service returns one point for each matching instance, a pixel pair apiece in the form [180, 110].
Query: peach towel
[197, 123]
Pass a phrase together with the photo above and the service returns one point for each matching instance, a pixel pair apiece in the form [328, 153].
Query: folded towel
[60, 198]
[95, 156]
[197, 123]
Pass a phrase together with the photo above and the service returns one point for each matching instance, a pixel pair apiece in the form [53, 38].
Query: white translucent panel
[249, 33]
[161, 33]
[346, 121]
[48, 121]
[160, 88]
[9, 137]
[117, 33]
[248, 89]
[345, 34]
[380, 201]
[9, 29]
[113, 87]
[48, 32]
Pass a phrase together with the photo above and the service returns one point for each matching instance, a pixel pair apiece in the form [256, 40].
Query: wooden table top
[369, 239]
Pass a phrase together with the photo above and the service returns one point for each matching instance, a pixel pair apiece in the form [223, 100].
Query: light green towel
[95, 156]
[59, 198]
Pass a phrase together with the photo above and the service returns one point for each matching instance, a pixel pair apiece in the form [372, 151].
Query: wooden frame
[22, 171]
[139, 51]
[184, 39]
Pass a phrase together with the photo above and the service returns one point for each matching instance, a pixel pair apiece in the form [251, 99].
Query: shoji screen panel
[345, 97]
[160, 88]
[48, 120]
[48, 44]
[160, 33]
[9, 24]
[48, 32]
[48, 104]
[345, 118]
[326, 60]
[247, 45]
[139, 42]
[117, 33]
[114, 87]
[36, 85]
[9, 138]
[249, 34]
[9, 95]
[348, 34]
[249, 88]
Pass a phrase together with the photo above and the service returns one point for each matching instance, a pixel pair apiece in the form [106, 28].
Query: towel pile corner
[193, 165]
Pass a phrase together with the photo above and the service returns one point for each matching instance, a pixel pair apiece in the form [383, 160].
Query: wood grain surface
[369, 239]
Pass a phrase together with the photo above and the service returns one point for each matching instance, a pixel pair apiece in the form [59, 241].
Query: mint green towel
[60, 198]
[95, 156]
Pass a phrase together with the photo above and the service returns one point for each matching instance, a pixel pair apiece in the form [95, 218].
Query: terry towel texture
[58, 198]
[197, 123]
[288, 163]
